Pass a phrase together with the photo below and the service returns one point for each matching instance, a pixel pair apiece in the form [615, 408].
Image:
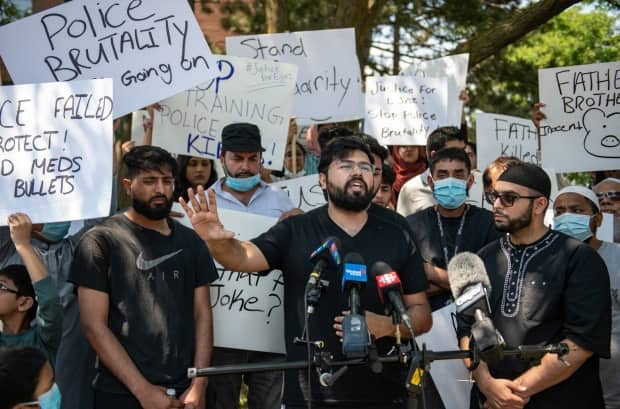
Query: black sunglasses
[507, 199]
[612, 195]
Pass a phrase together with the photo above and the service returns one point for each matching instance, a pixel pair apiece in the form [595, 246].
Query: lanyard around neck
[457, 240]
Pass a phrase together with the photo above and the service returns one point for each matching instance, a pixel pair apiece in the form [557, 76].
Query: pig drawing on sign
[602, 133]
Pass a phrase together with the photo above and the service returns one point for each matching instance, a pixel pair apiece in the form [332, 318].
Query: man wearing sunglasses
[546, 288]
[608, 193]
[578, 214]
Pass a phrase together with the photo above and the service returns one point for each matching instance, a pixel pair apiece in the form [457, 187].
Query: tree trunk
[511, 29]
[276, 14]
[363, 16]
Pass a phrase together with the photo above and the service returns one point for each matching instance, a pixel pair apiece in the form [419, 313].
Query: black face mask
[157, 212]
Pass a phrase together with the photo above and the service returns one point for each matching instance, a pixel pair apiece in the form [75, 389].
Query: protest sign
[503, 135]
[305, 192]
[254, 303]
[329, 85]
[454, 67]
[56, 150]
[152, 49]
[245, 90]
[582, 104]
[448, 375]
[606, 231]
[404, 110]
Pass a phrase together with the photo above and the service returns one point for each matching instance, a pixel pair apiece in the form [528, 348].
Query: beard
[152, 212]
[514, 225]
[356, 202]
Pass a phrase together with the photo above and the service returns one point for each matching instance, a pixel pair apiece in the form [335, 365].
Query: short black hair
[341, 147]
[23, 284]
[328, 134]
[388, 177]
[20, 369]
[148, 157]
[450, 154]
[375, 146]
[439, 137]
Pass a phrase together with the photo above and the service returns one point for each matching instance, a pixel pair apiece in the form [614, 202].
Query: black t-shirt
[287, 246]
[150, 280]
[478, 231]
[544, 292]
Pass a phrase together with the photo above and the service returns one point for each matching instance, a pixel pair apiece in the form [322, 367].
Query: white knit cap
[583, 191]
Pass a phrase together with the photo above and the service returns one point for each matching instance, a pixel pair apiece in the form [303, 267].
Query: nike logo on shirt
[143, 264]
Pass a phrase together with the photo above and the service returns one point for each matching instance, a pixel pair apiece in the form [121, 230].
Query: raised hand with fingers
[204, 217]
[20, 228]
[537, 114]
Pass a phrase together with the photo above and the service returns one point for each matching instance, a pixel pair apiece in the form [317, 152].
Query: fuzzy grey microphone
[470, 287]
[469, 283]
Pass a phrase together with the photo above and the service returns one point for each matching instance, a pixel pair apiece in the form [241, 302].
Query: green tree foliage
[8, 12]
[508, 81]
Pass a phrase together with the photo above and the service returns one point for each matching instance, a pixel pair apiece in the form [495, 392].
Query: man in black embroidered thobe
[546, 288]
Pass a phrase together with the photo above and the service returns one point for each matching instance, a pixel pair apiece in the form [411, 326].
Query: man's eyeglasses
[5, 289]
[507, 199]
[612, 195]
[349, 166]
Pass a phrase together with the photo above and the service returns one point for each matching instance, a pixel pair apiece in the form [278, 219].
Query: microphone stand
[419, 360]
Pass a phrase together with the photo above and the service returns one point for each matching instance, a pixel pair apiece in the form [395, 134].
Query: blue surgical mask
[242, 184]
[55, 231]
[574, 225]
[49, 400]
[450, 193]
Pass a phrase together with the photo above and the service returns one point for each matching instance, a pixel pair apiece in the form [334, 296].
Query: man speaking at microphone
[546, 288]
[346, 174]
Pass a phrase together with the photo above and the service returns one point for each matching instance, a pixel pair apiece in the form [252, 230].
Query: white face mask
[289, 174]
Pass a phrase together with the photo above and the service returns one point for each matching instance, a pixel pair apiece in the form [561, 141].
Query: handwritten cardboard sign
[403, 110]
[305, 192]
[246, 90]
[453, 67]
[246, 303]
[55, 142]
[152, 49]
[582, 104]
[329, 85]
[503, 135]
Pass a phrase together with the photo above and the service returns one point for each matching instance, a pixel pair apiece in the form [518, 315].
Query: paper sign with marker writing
[246, 303]
[305, 192]
[582, 104]
[55, 142]
[503, 135]
[329, 85]
[246, 90]
[454, 67]
[403, 110]
[152, 49]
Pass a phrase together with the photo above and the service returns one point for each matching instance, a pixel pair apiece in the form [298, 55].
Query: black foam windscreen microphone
[469, 283]
[391, 290]
[325, 257]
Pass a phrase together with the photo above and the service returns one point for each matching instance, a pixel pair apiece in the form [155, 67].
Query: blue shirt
[266, 200]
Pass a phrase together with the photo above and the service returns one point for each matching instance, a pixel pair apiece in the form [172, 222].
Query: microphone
[355, 337]
[326, 256]
[470, 287]
[391, 291]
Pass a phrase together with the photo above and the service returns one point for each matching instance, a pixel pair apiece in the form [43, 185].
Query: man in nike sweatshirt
[143, 291]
